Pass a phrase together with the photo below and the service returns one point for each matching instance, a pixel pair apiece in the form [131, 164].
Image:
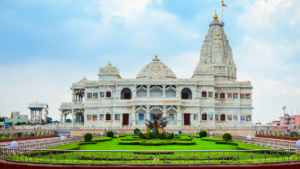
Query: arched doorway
[126, 94]
[186, 93]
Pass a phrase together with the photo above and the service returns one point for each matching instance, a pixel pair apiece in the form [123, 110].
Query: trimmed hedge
[136, 131]
[129, 143]
[102, 139]
[162, 136]
[85, 143]
[130, 139]
[227, 137]
[177, 137]
[170, 136]
[88, 137]
[226, 142]
[142, 136]
[203, 133]
[135, 136]
[156, 133]
[110, 134]
[151, 136]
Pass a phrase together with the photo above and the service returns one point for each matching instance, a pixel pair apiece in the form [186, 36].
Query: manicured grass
[145, 157]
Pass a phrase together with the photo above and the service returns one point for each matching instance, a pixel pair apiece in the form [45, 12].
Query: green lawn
[177, 157]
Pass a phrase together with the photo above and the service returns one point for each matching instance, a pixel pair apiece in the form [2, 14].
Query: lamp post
[249, 138]
[62, 139]
[13, 145]
[210, 134]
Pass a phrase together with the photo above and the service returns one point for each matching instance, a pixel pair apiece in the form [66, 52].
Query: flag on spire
[224, 5]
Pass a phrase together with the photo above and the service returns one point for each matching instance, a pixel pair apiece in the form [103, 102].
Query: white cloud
[41, 81]
[122, 11]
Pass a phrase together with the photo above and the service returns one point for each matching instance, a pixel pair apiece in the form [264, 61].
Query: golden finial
[155, 55]
[229, 46]
[216, 16]
[217, 34]
[218, 43]
[225, 36]
[202, 46]
[155, 69]
[84, 76]
[109, 62]
[206, 36]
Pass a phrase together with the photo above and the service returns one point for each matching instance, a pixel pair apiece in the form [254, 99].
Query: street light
[211, 134]
[249, 138]
[62, 138]
[13, 145]
[298, 144]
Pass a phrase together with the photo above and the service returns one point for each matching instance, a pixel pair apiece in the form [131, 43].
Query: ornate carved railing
[120, 158]
[272, 143]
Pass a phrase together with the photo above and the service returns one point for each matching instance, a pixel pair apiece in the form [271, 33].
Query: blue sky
[45, 46]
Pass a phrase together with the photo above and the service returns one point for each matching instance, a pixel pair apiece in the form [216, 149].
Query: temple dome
[156, 70]
[83, 80]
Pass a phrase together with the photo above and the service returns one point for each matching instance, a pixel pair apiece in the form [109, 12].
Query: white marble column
[134, 92]
[179, 116]
[165, 111]
[65, 120]
[148, 91]
[61, 117]
[164, 91]
[177, 92]
[134, 116]
[73, 117]
[148, 112]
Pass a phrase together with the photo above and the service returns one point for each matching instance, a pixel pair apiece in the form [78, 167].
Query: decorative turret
[109, 72]
[156, 70]
[216, 54]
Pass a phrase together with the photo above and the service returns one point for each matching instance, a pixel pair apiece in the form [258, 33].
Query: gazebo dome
[109, 69]
[156, 70]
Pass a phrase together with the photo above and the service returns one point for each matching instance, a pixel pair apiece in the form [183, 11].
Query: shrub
[142, 135]
[203, 133]
[170, 136]
[294, 134]
[151, 136]
[156, 133]
[88, 137]
[162, 136]
[136, 131]
[135, 136]
[228, 143]
[227, 137]
[110, 134]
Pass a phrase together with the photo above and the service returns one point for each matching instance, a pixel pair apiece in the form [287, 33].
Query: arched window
[108, 116]
[204, 116]
[223, 117]
[126, 94]
[186, 93]
[222, 95]
[204, 94]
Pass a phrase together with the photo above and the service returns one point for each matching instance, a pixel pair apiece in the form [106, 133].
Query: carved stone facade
[212, 97]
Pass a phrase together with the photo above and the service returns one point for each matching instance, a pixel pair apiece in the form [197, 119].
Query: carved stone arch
[204, 89]
[108, 89]
[188, 90]
[204, 114]
[221, 92]
[189, 110]
[125, 110]
[221, 114]
[108, 111]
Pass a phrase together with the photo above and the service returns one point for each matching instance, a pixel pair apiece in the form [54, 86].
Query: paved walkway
[26, 141]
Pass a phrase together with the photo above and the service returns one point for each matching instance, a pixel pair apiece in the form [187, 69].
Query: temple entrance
[186, 119]
[125, 119]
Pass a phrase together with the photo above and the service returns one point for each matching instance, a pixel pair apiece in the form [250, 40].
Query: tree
[69, 121]
[2, 119]
[49, 120]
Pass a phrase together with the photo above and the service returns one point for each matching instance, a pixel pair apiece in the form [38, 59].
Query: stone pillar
[148, 91]
[117, 91]
[164, 91]
[179, 116]
[134, 92]
[165, 111]
[61, 117]
[134, 116]
[148, 112]
[177, 92]
[195, 93]
[73, 117]
[65, 120]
